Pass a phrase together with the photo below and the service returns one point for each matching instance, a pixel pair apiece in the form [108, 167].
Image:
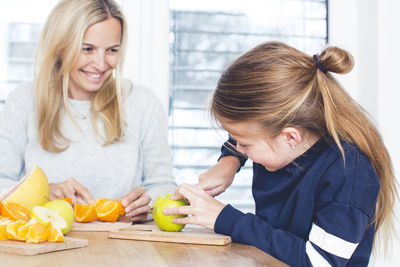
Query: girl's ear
[291, 136]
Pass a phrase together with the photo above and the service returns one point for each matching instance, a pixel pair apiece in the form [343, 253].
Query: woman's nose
[100, 61]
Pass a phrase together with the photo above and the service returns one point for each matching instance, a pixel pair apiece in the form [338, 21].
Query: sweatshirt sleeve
[228, 149]
[340, 221]
[13, 137]
[157, 177]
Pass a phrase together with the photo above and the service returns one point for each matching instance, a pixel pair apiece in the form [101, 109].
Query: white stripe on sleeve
[316, 259]
[330, 243]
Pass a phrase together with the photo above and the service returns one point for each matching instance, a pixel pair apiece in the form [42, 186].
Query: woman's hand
[203, 209]
[220, 176]
[136, 204]
[71, 188]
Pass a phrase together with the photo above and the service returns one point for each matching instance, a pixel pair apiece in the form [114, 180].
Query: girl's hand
[71, 188]
[220, 176]
[136, 204]
[203, 209]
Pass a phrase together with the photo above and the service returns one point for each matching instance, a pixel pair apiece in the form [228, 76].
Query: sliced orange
[1, 205]
[37, 233]
[55, 233]
[107, 210]
[15, 211]
[84, 212]
[24, 229]
[3, 233]
[12, 230]
[121, 208]
[4, 219]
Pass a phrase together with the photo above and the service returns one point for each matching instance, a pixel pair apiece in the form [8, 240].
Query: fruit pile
[52, 220]
[18, 222]
[27, 215]
[103, 209]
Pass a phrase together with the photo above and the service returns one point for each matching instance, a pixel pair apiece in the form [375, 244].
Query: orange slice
[23, 230]
[107, 210]
[37, 233]
[15, 211]
[4, 219]
[3, 233]
[12, 230]
[121, 208]
[84, 212]
[55, 233]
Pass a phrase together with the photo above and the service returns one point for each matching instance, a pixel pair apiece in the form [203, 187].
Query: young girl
[95, 134]
[323, 181]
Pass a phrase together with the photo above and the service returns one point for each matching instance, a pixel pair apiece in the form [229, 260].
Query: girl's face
[96, 61]
[273, 153]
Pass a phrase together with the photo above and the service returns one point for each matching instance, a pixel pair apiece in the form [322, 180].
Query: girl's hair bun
[337, 60]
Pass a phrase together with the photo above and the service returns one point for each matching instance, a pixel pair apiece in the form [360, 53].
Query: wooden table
[103, 251]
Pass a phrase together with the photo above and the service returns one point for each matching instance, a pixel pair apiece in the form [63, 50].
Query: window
[20, 26]
[203, 39]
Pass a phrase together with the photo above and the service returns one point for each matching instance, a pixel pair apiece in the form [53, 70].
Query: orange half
[107, 210]
[15, 211]
[84, 212]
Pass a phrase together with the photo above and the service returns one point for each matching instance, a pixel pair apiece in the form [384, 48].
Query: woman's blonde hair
[278, 86]
[58, 49]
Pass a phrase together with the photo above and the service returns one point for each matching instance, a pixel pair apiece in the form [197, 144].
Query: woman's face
[271, 152]
[97, 59]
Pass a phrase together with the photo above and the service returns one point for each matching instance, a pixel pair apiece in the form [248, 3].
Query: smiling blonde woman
[95, 134]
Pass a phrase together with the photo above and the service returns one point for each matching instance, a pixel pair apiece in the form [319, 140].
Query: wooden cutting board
[188, 235]
[22, 248]
[97, 226]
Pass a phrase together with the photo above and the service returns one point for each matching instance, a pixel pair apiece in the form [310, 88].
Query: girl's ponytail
[347, 120]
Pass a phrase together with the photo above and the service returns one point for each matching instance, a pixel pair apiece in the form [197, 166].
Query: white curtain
[147, 59]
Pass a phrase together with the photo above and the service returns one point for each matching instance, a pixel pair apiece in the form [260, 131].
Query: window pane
[20, 25]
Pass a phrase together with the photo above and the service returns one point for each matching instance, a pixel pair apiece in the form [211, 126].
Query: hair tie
[320, 67]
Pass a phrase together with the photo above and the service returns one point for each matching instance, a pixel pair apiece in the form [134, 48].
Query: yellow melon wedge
[32, 190]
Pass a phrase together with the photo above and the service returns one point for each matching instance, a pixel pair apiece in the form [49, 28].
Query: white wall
[369, 30]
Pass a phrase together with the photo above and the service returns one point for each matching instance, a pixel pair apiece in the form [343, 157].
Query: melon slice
[32, 190]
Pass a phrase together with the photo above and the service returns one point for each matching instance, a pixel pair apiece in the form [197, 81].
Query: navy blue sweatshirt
[316, 211]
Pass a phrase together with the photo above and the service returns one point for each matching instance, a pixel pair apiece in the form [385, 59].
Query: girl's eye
[86, 49]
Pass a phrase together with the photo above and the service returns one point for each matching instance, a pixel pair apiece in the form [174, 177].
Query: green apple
[64, 209]
[45, 215]
[165, 221]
